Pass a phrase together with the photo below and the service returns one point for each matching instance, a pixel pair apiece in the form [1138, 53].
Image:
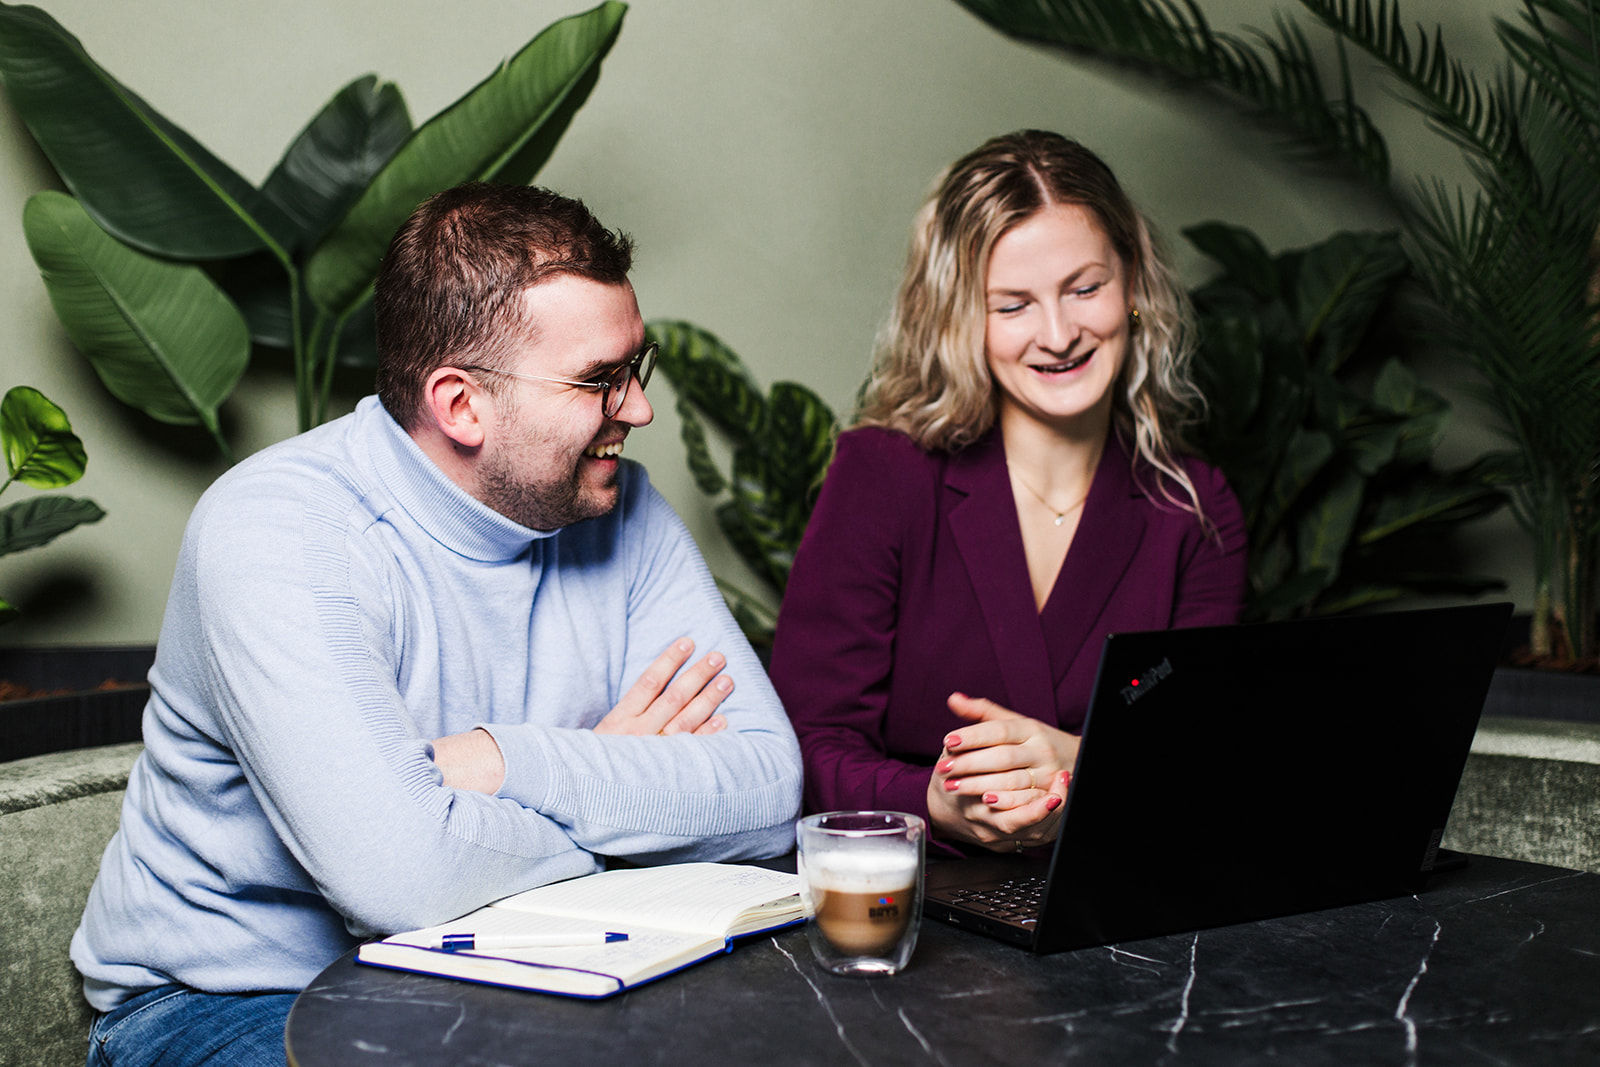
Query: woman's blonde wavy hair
[930, 376]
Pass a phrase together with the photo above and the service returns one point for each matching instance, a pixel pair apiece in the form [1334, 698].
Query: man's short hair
[451, 283]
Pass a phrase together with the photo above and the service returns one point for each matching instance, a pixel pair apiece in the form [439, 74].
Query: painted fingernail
[991, 798]
[1052, 802]
[725, 685]
[943, 766]
[952, 784]
[953, 741]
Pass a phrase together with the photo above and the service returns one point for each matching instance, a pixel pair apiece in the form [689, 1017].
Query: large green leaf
[163, 338]
[1306, 454]
[1326, 525]
[1243, 257]
[1427, 413]
[336, 156]
[1371, 444]
[495, 132]
[320, 175]
[1421, 502]
[141, 177]
[1339, 285]
[41, 449]
[1228, 365]
[41, 519]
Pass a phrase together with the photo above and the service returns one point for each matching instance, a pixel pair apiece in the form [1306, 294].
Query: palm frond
[1451, 98]
[1275, 75]
[1560, 53]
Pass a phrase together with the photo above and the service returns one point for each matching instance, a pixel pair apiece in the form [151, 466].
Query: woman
[1011, 495]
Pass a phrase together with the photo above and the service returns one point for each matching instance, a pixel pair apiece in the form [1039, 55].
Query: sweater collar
[445, 511]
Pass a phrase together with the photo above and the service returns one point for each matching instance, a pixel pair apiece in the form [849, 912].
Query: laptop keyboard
[1016, 900]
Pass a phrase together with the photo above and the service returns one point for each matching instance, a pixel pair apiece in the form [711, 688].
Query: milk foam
[862, 870]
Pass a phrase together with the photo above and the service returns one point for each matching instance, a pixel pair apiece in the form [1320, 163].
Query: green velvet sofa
[56, 814]
[1531, 791]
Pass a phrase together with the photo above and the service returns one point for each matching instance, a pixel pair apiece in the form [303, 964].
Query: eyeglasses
[613, 385]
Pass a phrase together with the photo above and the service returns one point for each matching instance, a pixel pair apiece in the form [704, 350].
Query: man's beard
[543, 501]
[540, 505]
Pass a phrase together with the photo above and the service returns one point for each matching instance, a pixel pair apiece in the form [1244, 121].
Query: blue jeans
[175, 1026]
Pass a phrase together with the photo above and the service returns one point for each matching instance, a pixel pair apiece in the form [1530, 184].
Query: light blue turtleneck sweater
[338, 603]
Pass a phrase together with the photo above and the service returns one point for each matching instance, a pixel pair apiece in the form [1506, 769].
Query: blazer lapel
[1105, 544]
[984, 526]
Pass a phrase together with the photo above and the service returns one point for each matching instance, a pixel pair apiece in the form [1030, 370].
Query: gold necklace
[1061, 516]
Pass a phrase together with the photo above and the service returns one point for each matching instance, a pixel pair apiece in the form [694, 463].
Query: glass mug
[861, 884]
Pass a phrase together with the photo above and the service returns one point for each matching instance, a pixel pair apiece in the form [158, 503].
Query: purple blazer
[911, 583]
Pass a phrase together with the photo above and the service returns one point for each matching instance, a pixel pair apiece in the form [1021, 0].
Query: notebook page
[706, 897]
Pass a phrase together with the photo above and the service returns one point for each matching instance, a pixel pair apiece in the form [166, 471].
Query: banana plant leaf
[321, 174]
[337, 155]
[501, 130]
[40, 520]
[41, 449]
[161, 336]
[140, 176]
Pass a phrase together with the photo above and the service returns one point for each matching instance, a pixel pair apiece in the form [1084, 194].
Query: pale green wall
[767, 155]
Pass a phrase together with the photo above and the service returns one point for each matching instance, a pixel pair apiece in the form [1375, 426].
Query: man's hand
[470, 761]
[664, 701]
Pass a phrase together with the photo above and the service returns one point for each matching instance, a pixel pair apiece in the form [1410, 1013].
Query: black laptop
[1235, 773]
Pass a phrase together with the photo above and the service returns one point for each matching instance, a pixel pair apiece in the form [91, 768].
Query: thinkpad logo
[1147, 681]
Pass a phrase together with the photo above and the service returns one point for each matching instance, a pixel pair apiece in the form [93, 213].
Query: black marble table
[1497, 963]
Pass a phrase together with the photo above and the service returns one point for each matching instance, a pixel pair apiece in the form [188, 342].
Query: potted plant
[166, 266]
[1324, 434]
[55, 699]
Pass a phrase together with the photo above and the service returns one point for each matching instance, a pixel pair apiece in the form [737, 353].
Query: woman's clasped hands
[1000, 782]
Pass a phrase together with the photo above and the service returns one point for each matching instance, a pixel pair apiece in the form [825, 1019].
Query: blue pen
[487, 942]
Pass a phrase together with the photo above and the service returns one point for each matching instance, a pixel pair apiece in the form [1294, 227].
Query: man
[413, 660]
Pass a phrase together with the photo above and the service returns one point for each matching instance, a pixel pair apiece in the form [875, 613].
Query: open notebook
[673, 915]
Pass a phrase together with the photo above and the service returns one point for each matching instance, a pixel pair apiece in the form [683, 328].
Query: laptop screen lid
[1236, 773]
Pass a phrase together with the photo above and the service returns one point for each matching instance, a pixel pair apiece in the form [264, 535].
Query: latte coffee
[861, 880]
[864, 902]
